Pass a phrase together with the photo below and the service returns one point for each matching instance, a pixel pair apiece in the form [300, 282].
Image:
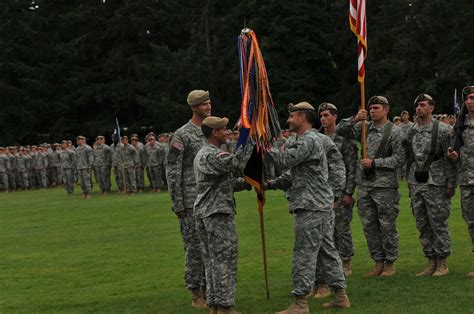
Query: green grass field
[120, 253]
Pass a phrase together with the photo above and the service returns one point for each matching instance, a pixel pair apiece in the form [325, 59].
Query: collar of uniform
[373, 127]
[424, 128]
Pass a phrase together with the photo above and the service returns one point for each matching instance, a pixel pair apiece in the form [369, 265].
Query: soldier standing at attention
[377, 182]
[214, 212]
[4, 167]
[140, 164]
[311, 202]
[84, 163]
[465, 160]
[68, 166]
[155, 155]
[102, 163]
[342, 206]
[184, 146]
[127, 158]
[431, 179]
[13, 171]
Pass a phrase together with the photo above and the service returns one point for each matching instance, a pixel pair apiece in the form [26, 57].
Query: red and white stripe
[358, 24]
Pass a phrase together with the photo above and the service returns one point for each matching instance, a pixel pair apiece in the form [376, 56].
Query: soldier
[24, 161]
[102, 164]
[84, 163]
[33, 177]
[214, 211]
[311, 201]
[343, 206]
[41, 168]
[13, 171]
[184, 146]
[377, 183]
[68, 166]
[397, 120]
[140, 165]
[431, 179]
[56, 164]
[4, 167]
[465, 161]
[164, 142]
[127, 158]
[154, 155]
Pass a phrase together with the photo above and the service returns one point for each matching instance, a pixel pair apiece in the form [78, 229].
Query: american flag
[358, 23]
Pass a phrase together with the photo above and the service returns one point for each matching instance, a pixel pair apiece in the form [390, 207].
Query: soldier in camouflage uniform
[68, 166]
[41, 168]
[102, 164]
[431, 179]
[465, 160]
[13, 171]
[154, 156]
[344, 203]
[24, 161]
[127, 158]
[184, 145]
[84, 163]
[377, 183]
[4, 167]
[214, 212]
[311, 201]
[56, 164]
[32, 177]
[141, 162]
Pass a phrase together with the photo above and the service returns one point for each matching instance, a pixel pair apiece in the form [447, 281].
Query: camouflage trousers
[219, 245]
[42, 178]
[431, 209]
[103, 177]
[118, 178]
[155, 173]
[378, 210]
[314, 246]
[130, 179]
[69, 180]
[12, 180]
[56, 176]
[32, 180]
[24, 179]
[467, 205]
[4, 181]
[194, 277]
[85, 179]
[140, 171]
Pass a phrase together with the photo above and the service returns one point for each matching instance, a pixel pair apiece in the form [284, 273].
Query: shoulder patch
[178, 146]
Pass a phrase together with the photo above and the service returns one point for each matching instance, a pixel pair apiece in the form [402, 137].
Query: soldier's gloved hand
[450, 192]
[181, 214]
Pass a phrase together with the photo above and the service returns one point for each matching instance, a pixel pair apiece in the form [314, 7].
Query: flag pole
[364, 127]
[261, 197]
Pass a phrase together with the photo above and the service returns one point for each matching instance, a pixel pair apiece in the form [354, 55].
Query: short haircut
[310, 116]
[207, 131]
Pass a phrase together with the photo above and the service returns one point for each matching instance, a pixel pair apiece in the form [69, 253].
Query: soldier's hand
[347, 200]
[366, 163]
[452, 154]
[181, 214]
[450, 192]
[361, 115]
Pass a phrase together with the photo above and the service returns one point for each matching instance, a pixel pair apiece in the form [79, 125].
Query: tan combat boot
[213, 310]
[300, 306]
[378, 269]
[223, 310]
[198, 300]
[388, 270]
[346, 267]
[442, 267]
[471, 274]
[430, 269]
[323, 291]
[341, 301]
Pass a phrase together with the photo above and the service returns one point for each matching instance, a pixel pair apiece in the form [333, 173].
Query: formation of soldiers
[47, 165]
[320, 170]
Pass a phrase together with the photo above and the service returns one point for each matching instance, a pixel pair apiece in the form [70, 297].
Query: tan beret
[80, 137]
[124, 137]
[424, 97]
[377, 100]
[215, 122]
[301, 106]
[197, 97]
[326, 106]
[404, 112]
[467, 91]
[396, 118]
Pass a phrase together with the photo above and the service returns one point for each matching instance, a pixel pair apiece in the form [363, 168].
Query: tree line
[71, 67]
